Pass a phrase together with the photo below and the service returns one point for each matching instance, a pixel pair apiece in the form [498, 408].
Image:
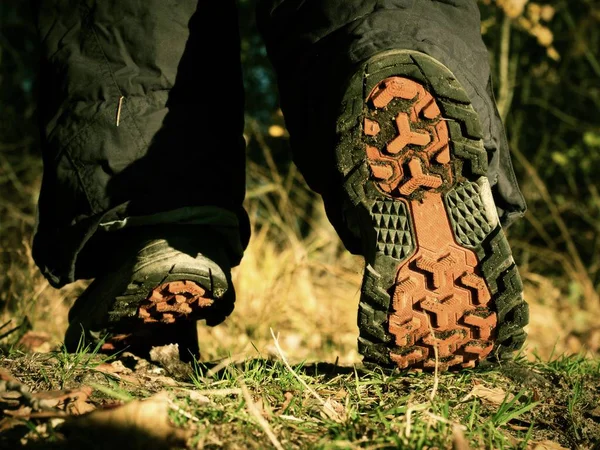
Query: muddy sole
[439, 276]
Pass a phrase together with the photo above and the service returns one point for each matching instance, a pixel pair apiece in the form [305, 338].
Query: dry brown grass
[298, 291]
[304, 285]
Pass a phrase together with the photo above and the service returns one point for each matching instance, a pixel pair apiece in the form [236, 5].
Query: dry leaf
[35, 341]
[22, 412]
[5, 375]
[288, 399]
[71, 401]
[80, 406]
[545, 445]
[137, 424]
[10, 400]
[493, 395]
[116, 367]
[337, 408]
[10, 422]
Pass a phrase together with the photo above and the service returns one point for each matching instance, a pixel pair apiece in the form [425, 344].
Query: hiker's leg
[392, 119]
[314, 43]
[141, 110]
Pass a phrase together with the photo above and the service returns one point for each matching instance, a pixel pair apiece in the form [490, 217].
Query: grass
[67, 364]
[375, 409]
[267, 403]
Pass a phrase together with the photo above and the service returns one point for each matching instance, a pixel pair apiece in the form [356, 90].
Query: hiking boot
[440, 285]
[168, 280]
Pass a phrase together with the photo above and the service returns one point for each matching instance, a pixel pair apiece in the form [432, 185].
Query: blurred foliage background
[296, 276]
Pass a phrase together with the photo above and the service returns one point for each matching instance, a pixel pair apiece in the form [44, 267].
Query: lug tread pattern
[488, 321]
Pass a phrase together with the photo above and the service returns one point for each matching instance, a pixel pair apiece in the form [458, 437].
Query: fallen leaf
[80, 406]
[5, 375]
[134, 362]
[545, 445]
[35, 341]
[23, 411]
[288, 399]
[335, 406]
[115, 367]
[109, 370]
[71, 401]
[137, 424]
[10, 422]
[10, 400]
[493, 395]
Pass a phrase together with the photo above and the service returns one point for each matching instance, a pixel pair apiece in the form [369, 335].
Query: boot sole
[439, 271]
[170, 289]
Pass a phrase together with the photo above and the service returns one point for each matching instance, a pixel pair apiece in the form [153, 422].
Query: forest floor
[55, 400]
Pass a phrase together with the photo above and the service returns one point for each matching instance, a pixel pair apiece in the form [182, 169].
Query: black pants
[141, 108]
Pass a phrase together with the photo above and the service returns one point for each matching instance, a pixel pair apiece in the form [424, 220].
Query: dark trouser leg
[141, 109]
[316, 43]
[404, 145]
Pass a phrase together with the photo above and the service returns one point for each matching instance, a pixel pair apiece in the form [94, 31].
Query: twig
[218, 392]
[539, 228]
[254, 412]
[291, 418]
[11, 175]
[436, 378]
[226, 362]
[327, 409]
[441, 419]
[9, 332]
[409, 411]
[4, 325]
[505, 93]
[119, 109]
[184, 413]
